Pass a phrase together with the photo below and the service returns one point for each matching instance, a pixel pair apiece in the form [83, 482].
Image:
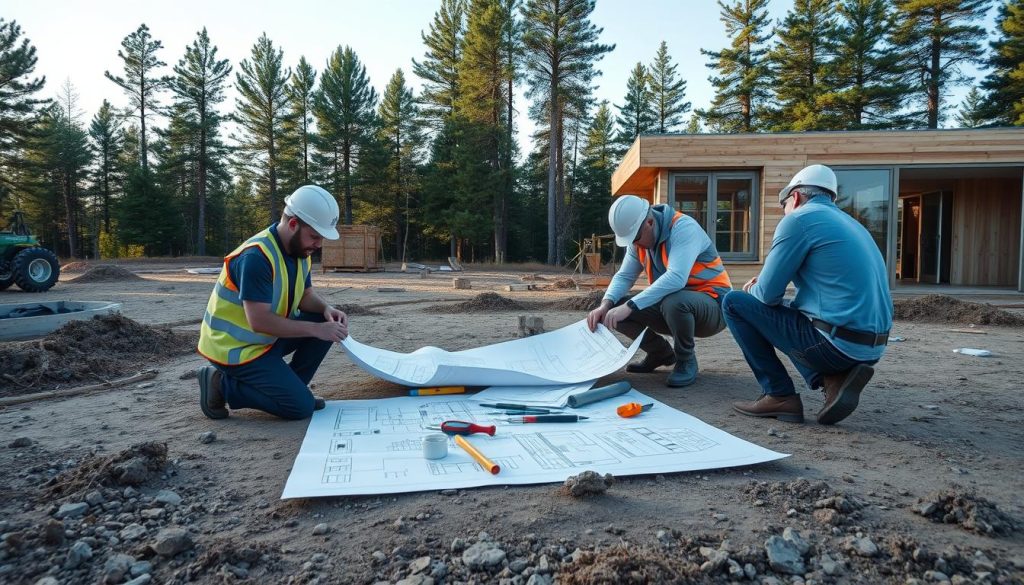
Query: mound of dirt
[587, 302]
[106, 273]
[131, 467]
[483, 303]
[75, 267]
[966, 509]
[944, 309]
[356, 310]
[626, 563]
[564, 283]
[531, 278]
[93, 350]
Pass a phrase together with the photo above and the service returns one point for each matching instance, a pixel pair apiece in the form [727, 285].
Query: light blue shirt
[838, 272]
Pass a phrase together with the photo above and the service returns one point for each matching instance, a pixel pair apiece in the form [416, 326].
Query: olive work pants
[683, 315]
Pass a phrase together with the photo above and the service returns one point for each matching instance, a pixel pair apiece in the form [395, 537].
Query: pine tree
[17, 104]
[939, 36]
[637, 115]
[105, 131]
[972, 112]
[599, 157]
[742, 83]
[802, 63]
[1005, 84]
[694, 126]
[344, 110]
[669, 91]
[298, 127]
[140, 81]
[199, 88]
[440, 66]
[401, 133]
[561, 50]
[260, 111]
[870, 75]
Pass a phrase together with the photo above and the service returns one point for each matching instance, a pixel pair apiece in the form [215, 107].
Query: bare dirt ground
[133, 484]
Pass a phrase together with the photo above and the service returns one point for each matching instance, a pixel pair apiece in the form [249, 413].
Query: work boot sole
[206, 375]
[641, 368]
[848, 396]
[782, 416]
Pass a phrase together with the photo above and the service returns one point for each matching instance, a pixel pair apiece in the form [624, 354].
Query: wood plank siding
[983, 253]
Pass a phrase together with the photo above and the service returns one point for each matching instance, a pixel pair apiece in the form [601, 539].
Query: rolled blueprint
[596, 394]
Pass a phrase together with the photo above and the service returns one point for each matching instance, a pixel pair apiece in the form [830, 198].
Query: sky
[78, 41]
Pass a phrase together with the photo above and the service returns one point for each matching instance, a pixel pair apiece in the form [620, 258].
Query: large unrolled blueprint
[568, 355]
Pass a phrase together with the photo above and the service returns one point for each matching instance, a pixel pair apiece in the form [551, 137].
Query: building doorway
[926, 237]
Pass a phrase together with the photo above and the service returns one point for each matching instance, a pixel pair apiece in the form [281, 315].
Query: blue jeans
[759, 329]
[268, 384]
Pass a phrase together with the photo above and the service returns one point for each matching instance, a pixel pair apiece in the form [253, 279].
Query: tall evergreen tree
[140, 82]
[870, 76]
[199, 88]
[599, 157]
[400, 131]
[940, 36]
[17, 104]
[743, 75]
[105, 132]
[440, 66]
[561, 50]
[344, 110]
[972, 112]
[1005, 84]
[637, 115]
[298, 127]
[669, 91]
[802, 60]
[260, 111]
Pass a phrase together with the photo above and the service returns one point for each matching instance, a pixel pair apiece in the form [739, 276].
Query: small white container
[435, 446]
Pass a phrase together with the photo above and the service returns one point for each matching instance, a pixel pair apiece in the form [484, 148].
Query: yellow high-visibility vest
[225, 336]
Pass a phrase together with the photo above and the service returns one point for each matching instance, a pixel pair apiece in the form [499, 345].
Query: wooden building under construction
[944, 206]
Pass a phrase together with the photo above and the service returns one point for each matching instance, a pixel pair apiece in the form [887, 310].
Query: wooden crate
[356, 250]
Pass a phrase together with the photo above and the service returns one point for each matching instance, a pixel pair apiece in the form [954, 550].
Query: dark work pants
[684, 314]
[759, 329]
[269, 384]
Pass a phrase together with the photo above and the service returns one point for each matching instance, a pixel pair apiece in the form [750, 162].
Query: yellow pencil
[480, 458]
[437, 391]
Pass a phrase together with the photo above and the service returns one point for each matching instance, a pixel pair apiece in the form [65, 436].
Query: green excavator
[23, 261]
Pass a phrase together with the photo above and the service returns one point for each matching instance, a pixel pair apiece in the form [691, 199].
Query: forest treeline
[166, 167]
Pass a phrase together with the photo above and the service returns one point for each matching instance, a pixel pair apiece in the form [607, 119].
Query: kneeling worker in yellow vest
[263, 308]
[687, 280]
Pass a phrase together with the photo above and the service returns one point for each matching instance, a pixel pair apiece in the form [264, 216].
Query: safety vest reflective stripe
[225, 336]
[704, 277]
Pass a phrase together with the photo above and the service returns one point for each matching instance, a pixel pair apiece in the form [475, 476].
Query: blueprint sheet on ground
[568, 355]
[357, 447]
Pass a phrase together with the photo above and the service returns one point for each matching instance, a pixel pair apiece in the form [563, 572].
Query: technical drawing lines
[644, 442]
[337, 470]
[561, 450]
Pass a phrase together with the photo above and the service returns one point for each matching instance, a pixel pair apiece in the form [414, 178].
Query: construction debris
[530, 326]
[461, 283]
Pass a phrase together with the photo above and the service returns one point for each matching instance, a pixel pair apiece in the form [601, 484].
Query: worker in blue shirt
[838, 324]
[264, 308]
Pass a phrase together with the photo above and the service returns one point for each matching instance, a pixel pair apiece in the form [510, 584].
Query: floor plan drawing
[355, 447]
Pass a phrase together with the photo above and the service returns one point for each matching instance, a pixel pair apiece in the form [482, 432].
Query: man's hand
[331, 330]
[612, 317]
[334, 314]
[750, 283]
[597, 315]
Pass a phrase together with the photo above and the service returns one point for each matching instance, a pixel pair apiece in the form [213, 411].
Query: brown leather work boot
[785, 408]
[211, 397]
[842, 393]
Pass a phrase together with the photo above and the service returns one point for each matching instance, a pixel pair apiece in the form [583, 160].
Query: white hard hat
[626, 216]
[812, 176]
[315, 206]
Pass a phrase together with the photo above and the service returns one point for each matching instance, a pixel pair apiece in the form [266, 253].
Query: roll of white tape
[435, 446]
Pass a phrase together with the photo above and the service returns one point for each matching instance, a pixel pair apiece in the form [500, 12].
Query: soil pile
[970, 511]
[943, 309]
[75, 267]
[81, 352]
[106, 273]
[531, 278]
[587, 302]
[483, 303]
[131, 467]
[626, 563]
[356, 310]
[564, 283]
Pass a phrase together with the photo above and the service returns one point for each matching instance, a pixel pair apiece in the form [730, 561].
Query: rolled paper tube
[596, 394]
[484, 462]
[435, 446]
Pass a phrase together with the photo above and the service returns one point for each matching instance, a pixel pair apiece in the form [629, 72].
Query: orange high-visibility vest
[704, 276]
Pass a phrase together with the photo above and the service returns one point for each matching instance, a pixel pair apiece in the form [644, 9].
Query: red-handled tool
[459, 427]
